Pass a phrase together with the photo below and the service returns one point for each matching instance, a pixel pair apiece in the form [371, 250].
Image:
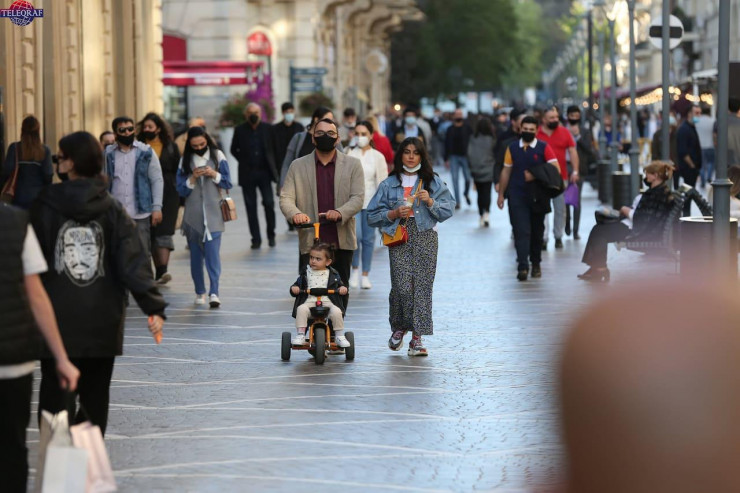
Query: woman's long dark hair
[484, 127]
[165, 131]
[426, 172]
[31, 148]
[85, 152]
[187, 153]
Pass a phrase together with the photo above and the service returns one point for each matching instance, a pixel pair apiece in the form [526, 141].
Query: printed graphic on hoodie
[79, 252]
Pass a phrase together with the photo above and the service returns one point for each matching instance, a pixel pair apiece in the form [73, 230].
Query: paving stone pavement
[214, 409]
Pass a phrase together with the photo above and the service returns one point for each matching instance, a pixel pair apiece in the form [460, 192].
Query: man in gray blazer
[325, 182]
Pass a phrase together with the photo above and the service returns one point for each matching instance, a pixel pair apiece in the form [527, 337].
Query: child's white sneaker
[366, 284]
[354, 278]
[341, 341]
[299, 340]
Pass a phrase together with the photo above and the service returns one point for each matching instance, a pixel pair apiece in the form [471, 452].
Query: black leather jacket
[94, 254]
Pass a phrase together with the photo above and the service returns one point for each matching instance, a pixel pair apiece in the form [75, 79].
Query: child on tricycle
[319, 274]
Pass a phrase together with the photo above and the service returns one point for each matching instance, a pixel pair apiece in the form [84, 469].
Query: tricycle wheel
[350, 351]
[285, 346]
[319, 339]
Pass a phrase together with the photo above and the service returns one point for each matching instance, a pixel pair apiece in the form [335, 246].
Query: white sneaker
[214, 301]
[366, 284]
[486, 219]
[166, 277]
[481, 222]
[200, 299]
[354, 278]
[299, 340]
[341, 341]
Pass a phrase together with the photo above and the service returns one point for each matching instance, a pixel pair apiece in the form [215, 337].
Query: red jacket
[383, 145]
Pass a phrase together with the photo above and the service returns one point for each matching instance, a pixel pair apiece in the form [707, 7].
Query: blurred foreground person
[27, 317]
[650, 395]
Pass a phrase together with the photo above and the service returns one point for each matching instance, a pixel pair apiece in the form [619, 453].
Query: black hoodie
[94, 254]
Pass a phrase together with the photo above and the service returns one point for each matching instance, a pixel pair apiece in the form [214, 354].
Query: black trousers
[598, 241]
[529, 228]
[689, 175]
[15, 412]
[484, 196]
[93, 388]
[342, 263]
[576, 211]
[263, 183]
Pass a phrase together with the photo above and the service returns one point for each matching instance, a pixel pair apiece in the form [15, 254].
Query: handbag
[87, 436]
[228, 208]
[401, 235]
[571, 195]
[62, 467]
[8, 192]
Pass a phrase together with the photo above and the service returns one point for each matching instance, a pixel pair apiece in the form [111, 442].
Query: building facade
[80, 65]
[346, 39]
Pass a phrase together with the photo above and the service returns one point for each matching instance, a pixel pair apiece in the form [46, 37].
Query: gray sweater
[480, 157]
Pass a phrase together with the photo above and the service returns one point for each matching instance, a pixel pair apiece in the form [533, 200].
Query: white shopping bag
[99, 471]
[62, 468]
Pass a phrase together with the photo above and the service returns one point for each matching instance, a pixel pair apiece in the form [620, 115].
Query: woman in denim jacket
[415, 196]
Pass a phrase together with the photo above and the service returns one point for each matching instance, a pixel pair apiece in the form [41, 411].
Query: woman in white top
[376, 170]
[202, 177]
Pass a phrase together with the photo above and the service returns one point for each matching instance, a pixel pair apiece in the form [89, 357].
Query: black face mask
[253, 119]
[63, 176]
[201, 152]
[126, 140]
[149, 135]
[325, 143]
[527, 137]
[575, 123]
[646, 182]
[458, 120]
[553, 125]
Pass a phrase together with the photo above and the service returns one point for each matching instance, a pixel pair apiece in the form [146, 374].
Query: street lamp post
[665, 152]
[614, 147]
[634, 146]
[602, 132]
[721, 185]
[590, 114]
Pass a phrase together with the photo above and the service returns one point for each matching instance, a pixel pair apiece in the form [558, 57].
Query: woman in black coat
[154, 131]
[94, 255]
[647, 220]
[33, 162]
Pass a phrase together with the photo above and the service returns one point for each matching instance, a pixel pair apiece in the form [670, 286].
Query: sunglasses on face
[125, 130]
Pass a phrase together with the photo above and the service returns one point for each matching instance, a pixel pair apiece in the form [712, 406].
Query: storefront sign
[259, 44]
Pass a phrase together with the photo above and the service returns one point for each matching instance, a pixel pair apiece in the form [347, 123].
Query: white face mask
[412, 170]
[363, 141]
[289, 117]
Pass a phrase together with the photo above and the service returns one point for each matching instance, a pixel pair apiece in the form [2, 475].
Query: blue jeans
[365, 240]
[209, 252]
[707, 165]
[458, 163]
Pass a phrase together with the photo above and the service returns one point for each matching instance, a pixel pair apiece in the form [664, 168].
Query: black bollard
[621, 190]
[605, 181]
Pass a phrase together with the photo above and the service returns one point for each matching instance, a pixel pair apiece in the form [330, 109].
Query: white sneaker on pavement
[298, 340]
[200, 299]
[214, 301]
[366, 284]
[354, 278]
[341, 341]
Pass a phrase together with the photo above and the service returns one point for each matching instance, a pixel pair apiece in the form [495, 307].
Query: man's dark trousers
[529, 228]
[259, 180]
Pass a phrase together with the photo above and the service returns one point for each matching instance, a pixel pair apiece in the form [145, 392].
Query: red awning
[197, 73]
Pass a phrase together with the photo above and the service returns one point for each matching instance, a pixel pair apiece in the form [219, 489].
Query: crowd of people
[96, 219]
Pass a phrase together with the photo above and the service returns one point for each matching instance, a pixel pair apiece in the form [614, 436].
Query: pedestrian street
[214, 409]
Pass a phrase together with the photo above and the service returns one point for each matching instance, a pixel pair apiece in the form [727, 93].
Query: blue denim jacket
[390, 196]
[142, 187]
